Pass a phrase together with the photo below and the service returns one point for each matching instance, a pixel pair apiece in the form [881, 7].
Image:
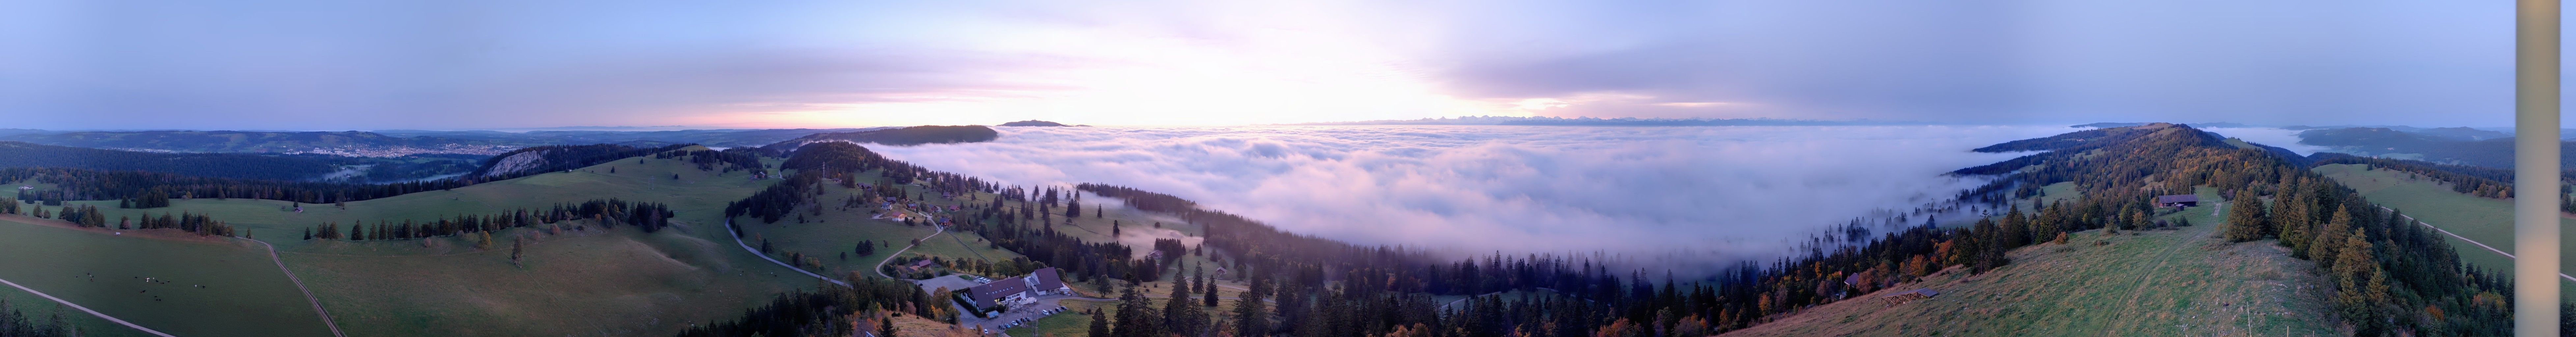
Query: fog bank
[1719, 193]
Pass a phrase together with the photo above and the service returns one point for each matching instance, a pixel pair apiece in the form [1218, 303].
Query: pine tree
[1250, 316]
[1209, 288]
[2245, 218]
[1182, 315]
[1099, 324]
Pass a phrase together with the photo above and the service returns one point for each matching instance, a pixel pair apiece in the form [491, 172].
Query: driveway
[952, 282]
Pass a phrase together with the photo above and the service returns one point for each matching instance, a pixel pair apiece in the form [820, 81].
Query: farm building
[1017, 290]
[2178, 200]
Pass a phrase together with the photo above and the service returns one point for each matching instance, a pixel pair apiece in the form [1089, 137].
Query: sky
[468, 64]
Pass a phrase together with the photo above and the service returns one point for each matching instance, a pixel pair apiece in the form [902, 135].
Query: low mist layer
[1714, 192]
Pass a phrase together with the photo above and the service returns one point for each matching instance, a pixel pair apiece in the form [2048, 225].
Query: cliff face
[515, 163]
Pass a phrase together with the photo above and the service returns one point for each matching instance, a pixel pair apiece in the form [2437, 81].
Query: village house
[1017, 291]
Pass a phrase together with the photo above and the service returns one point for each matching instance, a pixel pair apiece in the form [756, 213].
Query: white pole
[2535, 168]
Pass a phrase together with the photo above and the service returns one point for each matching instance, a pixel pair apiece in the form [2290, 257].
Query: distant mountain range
[391, 143]
[915, 135]
[1034, 122]
[1589, 121]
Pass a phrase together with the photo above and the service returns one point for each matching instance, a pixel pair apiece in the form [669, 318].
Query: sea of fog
[1710, 194]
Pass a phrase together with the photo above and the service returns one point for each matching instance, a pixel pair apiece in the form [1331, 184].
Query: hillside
[2315, 258]
[2446, 145]
[718, 137]
[2177, 282]
[574, 281]
[220, 165]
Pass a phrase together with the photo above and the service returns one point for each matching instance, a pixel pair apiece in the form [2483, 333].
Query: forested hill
[77, 183]
[255, 141]
[541, 159]
[916, 135]
[2387, 276]
[220, 165]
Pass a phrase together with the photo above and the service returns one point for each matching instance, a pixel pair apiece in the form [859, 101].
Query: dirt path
[299, 286]
[737, 240]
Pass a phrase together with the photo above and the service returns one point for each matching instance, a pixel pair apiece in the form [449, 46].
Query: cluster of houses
[1017, 291]
[905, 212]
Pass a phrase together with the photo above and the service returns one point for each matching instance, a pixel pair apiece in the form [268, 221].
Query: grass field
[243, 293]
[591, 282]
[2142, 283]
[2488, 221]
[587, 283]
[39, 309]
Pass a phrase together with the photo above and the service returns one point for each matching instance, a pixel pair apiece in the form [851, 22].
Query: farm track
[299, 286]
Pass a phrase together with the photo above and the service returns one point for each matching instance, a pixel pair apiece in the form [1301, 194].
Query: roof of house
[989, 293]
[2178, 198]
[1046, 279]
[921, 264]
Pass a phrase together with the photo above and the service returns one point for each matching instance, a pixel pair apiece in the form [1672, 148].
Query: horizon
[455, 66]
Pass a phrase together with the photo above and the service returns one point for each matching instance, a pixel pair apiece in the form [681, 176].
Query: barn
[2178, 200]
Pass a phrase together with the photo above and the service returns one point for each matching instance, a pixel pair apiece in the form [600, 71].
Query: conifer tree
[2245, 217]
[1099, 324]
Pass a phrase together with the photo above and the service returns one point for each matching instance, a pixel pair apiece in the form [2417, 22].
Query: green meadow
[208, 287]
[2488, 221]
[574, 282]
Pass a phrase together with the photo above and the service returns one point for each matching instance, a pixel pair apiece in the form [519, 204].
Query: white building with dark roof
[1017, 290]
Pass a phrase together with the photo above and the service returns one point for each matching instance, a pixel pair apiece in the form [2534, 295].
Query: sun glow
[1133, 74]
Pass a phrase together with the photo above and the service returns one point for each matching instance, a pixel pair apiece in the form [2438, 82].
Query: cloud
[1717, 193]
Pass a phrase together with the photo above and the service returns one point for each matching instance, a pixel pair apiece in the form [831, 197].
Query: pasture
[186, 287]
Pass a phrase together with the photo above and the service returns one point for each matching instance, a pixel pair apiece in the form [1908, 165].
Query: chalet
[2178, 200]
[918, 266]
[1017, 290]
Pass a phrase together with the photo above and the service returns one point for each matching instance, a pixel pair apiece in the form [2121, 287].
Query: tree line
[609, 212]
[826, 310]
[146, 189]
[221, 165]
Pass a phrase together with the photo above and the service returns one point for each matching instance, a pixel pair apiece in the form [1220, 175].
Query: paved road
[91, 312]
[299, 286]
[737, 240]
